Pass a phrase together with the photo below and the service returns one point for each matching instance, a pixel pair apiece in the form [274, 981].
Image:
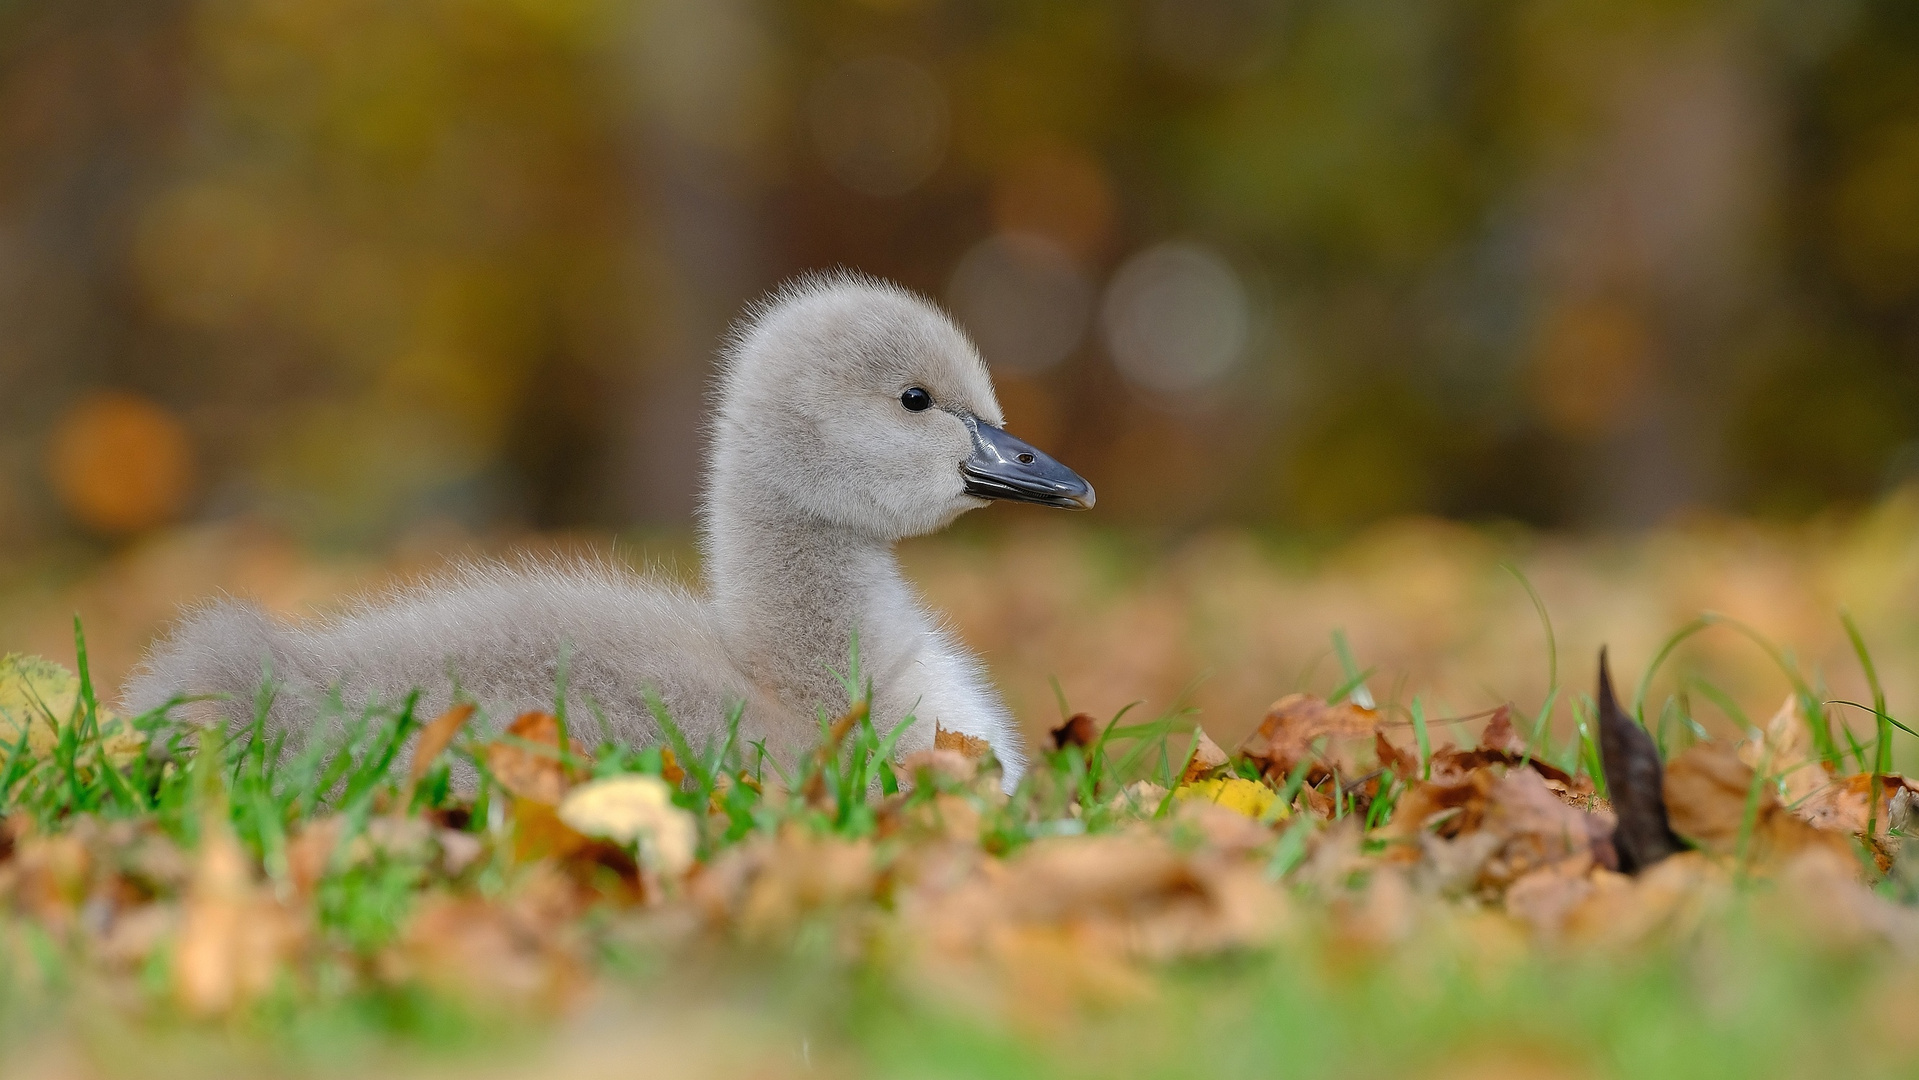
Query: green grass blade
[1882, 750]
[1423, 738]
[1355, 683]
[1659, 658]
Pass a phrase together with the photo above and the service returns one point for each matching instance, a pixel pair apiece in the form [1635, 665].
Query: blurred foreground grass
[228, 907]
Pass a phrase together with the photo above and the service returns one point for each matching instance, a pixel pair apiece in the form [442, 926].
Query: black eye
[916, 400]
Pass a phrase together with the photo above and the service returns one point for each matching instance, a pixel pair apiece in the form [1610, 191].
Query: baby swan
[850, 414]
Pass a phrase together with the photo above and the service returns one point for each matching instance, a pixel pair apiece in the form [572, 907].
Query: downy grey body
[849, 414]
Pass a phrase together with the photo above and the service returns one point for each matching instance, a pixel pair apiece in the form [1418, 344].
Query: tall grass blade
[1355, 683]
[1882, 750]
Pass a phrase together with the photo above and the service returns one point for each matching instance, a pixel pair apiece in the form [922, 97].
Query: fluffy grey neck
[791, 591]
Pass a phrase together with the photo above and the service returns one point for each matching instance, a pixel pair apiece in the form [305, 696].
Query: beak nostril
[1026, 459]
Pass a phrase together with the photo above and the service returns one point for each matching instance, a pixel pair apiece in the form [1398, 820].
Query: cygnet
[849, 415]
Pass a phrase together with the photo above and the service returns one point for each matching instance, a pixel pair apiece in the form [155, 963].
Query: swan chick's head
[861, 404]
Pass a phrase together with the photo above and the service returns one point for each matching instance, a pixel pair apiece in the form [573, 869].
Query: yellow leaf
[1249, 797]
[38, 697]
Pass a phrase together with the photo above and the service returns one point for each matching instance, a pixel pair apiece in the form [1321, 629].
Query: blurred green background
[357, 267]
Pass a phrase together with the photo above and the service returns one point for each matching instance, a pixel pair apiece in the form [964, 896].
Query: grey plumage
[495, 629]
[815, 472]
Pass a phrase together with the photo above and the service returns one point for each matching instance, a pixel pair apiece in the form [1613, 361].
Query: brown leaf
[1450, 762]
[1821, 891]
[1536, 828]
[1378, 916]
[435, 738]
[1080, 729]
[1707, 789]
[488, 953]
[1132, 894]
[972, 746]
[1851, 806]
[1403, 762]
[1668, 900]
[1206, 756]
[1318, 803]
[1715, 802]
[598, 869]
[1547, 896]
[1784, 752]
[311, 850]
[1843, 805]
[1286, 736]
[528, 773]
[1633, 782]
[764, 886]
[950, 817]
[233, 935]
[1462, 798]
[670, 769]
[538, 833]
[1499, 733]
[48, 876]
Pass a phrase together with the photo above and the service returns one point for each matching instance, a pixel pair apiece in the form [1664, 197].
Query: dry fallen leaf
[1820, 892]
[1287, 734]
[1874, 809]
[494, 954]
[1131, 894]
[635, 809]
[233, 936]
[310, 851]
[1716, 801]
[763, 886]
[1634, 782]
[1670, 899]
[1222, 829]
[1499, 734]
[1079, 729]
[1403, 762]
[1783, 751]
[47, 876]
[1536, 828]
[435, 738]
[539, 833]
[1206, 755]
[1380, 915]
[971, 746]
[1448, 806]
[532, 774]
[670, 769]
[1546, 897]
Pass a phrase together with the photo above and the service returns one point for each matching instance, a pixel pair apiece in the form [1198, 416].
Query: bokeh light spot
[1176, 318]
[880, 124]
[119, 463]
[1024, 300]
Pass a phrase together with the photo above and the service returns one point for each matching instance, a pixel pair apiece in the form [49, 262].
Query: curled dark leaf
[1635, 781]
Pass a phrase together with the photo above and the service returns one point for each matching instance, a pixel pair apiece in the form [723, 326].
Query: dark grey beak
[1003, 467]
